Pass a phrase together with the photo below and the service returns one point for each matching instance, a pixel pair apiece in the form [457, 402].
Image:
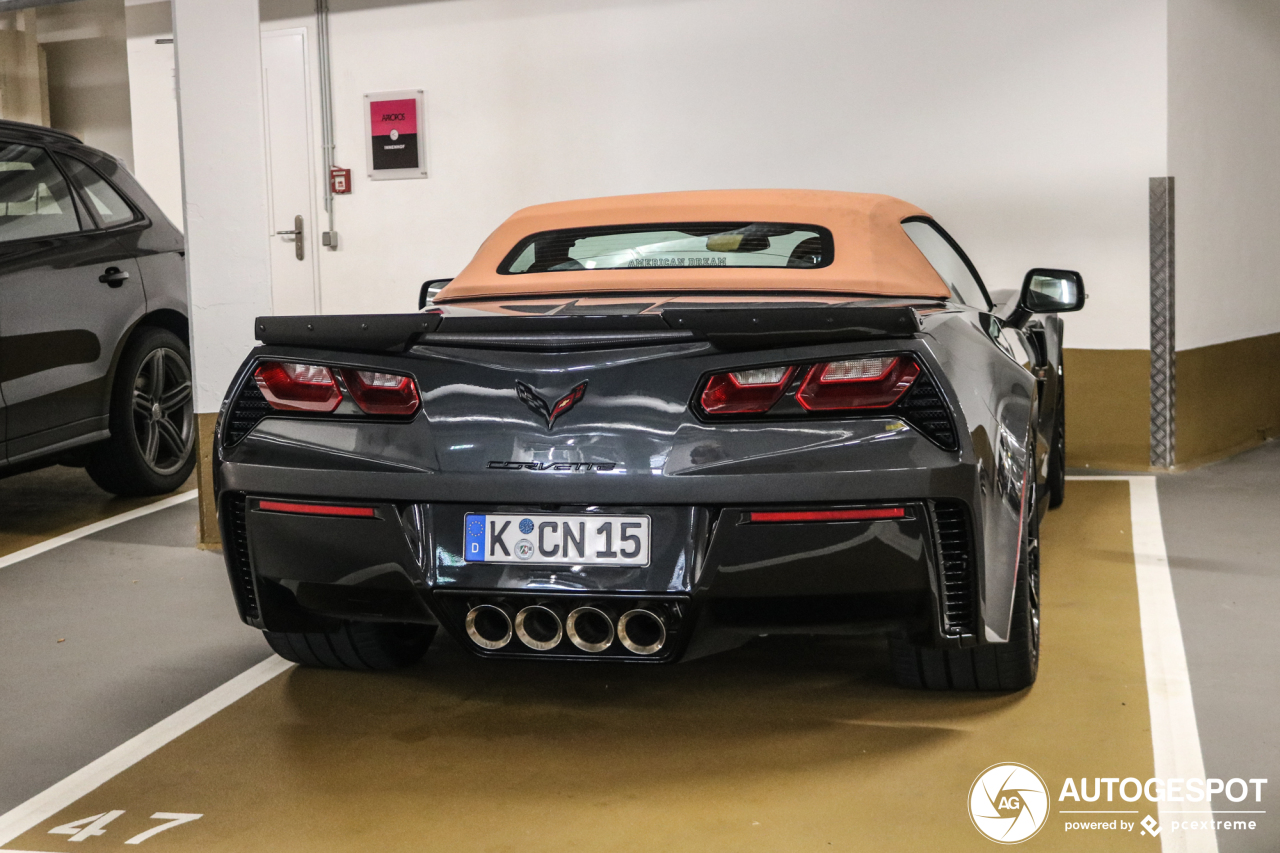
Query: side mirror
[429, 289]
[1047, 291]
[1052, 291]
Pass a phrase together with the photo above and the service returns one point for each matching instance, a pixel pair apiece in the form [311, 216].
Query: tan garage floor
[785, 745]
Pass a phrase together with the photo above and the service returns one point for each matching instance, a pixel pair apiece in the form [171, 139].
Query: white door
[290, 172]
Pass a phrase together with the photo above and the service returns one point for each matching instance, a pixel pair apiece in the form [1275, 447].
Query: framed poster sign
[394, 139]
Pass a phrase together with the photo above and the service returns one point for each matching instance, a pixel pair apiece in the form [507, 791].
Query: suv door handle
[113, 277]
[299, 252]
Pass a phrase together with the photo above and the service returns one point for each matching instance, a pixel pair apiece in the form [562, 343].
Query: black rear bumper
[714, 574]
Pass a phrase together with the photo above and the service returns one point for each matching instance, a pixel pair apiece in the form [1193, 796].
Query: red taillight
[382, 393]
[745, 391]
[297, 387]
[861, 383]
[317, 509]
[294, 387]
[829, 515]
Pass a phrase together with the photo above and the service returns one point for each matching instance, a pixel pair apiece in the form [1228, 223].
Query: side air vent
[237, 550]
[924, 408]
[246, 410]
[955, 561]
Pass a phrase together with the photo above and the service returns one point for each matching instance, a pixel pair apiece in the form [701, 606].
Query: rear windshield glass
[681, 244]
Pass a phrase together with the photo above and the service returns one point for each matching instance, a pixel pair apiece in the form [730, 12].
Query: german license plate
[581, 539]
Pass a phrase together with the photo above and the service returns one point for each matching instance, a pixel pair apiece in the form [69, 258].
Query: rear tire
[993, 666]
[362, 646]
[152, 446]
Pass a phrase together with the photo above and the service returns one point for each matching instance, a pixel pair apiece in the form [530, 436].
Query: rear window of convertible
[680, 244]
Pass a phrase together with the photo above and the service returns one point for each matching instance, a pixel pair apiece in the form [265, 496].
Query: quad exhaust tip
[642, 632]
[590, 629]
[539, 628]
[489, 626]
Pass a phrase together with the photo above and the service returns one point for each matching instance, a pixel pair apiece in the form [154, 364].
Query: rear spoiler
[726, 328]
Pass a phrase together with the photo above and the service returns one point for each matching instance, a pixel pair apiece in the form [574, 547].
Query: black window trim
[824, 233]
[140, 219]
[973, 271]
[77, 203]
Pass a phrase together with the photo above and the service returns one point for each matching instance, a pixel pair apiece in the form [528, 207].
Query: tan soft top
[873, 255]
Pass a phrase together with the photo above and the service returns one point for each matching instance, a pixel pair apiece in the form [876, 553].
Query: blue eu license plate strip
[579, 539]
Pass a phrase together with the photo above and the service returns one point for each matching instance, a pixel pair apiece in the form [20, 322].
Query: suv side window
[950, 264]
[35, 201]
[107, 204]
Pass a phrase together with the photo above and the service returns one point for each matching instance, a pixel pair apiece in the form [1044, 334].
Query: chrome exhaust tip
[642, 632]
[489, 626]
[539, 627]
[590, 629]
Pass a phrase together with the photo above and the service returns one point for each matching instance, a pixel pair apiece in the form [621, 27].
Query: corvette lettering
[553, 466]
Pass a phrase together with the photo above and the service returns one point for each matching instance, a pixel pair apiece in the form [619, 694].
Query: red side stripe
[317, 509]
[831, 514]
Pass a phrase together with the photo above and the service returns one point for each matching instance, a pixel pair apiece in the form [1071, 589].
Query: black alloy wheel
[152, 446]
[1031, 570]
[1058, 457]
[163, 411]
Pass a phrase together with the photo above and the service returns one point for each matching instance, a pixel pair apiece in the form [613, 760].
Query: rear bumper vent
[957, 580]
[248, 407]
[236, 547]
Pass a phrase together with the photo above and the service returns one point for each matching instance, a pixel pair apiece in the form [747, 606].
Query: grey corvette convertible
[644, 428]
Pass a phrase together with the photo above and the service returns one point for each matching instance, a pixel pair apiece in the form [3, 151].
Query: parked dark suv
[94, 362]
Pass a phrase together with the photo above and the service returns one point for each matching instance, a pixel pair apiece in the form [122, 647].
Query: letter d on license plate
[583, 539]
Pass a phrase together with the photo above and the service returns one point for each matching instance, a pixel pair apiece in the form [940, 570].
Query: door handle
[113, 277]
[298, 250]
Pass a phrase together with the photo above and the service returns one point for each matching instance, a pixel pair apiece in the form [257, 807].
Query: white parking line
[90, 529]
[1175, 739]
[49, 802]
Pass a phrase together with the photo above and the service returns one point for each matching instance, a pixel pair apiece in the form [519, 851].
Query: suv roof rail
[37, 130]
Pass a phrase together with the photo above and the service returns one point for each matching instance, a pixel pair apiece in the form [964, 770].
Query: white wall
[157, 162]
[1029, 129]
[1224, 153]
[224, 172]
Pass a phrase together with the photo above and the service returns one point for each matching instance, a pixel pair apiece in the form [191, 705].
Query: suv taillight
[862, 383]
[293, 387]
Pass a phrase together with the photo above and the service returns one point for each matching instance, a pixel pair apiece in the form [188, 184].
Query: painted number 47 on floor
[87, 827]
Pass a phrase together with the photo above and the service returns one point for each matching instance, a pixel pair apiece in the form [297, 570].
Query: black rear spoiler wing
[727, 328]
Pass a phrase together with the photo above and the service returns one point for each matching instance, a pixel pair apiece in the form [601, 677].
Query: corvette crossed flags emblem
[540, 406]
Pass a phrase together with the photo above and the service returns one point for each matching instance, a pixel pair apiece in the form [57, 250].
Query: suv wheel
[152, 446]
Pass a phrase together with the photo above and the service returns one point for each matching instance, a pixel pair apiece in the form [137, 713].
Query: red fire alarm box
[339, 181]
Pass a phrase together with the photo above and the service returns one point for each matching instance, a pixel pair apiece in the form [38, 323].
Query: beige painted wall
[1228, 398]
[24, 88]
[89, 73]
[1108, 408]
